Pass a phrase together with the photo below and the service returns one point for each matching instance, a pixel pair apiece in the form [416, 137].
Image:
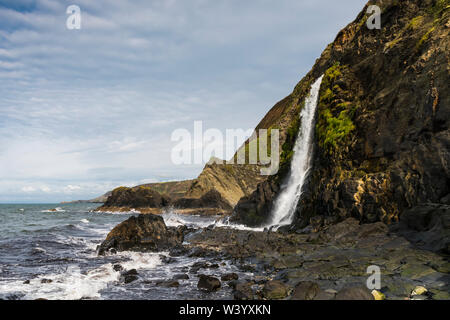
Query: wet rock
[168, 284]
[182, 276]
[129, 276]
[167, 259]
[208, 283]
[132, 272]
[229, 277]
[198, 252]
[306, 290]
[354, 293]
[275, 290]
[26, 282]
[145, 233]
[46, 281]
[117, 268]
[243, 291]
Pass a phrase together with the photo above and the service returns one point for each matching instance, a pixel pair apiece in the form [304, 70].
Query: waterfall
[286, 203]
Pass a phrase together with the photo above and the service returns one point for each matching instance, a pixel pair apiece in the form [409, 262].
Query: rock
[275, 290]
[325, 295]
[117, 268]
[168, 284]
[143, 233]
[254, 209]
[418, 291]
[208, 283]
[229, 277]
[354, 293]
[428, 226]
[377, 295]
[182, 276]
[211, 199]
[243, 291]
[306, 290]
[138, 197]
[46, 281]
[129, 276]
[26, 282]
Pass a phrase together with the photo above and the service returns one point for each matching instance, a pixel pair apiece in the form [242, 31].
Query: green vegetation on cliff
[335, 117]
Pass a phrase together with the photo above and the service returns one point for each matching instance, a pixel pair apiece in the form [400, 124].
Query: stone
[182, 276]
[208, 283]
[418, 291]
[377, 295]
[117, 267]
[275, 290]
[46, 281]
[145, 233]
[306, 290]
[229, 277]
[243, 291]
[354, 293]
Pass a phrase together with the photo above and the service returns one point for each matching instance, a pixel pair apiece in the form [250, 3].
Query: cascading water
[286, 203]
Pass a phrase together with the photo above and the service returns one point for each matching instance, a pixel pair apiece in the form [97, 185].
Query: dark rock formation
[427, 226]
[254, 210]
[382, 136]
[211, 199]
[140, 197]
[143, 233]
[208, 283]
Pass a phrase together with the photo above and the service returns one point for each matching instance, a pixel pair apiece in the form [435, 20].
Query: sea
[49, 251]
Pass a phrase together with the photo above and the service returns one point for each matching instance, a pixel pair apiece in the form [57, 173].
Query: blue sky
[84, 111]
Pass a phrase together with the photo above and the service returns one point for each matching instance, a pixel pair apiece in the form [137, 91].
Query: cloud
[28, 189]
[95, 108]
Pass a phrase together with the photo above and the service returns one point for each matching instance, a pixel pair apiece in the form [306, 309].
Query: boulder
[306, 290]
[354, 293]
[229, 277]
[145, 233]
[243, 291]
[129, 276]
[275, 290]
[208, 283]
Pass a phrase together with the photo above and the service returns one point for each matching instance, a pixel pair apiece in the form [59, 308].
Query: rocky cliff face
[382, 136]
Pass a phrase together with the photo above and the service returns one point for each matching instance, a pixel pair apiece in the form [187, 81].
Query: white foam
[73, 284]
[57, 209]
[84, 220]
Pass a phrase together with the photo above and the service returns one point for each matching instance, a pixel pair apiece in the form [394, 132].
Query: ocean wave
[57, 209]
[73, 284]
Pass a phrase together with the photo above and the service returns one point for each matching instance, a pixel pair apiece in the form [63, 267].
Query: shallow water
[38, 243]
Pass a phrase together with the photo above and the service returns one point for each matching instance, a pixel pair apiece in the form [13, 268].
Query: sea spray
[286, 203]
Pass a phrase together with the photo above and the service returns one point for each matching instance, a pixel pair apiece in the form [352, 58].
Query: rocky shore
[323, 263]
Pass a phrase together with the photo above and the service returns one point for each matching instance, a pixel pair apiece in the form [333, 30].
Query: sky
[83, 111]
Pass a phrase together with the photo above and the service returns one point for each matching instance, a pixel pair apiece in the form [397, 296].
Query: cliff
[382, 136]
